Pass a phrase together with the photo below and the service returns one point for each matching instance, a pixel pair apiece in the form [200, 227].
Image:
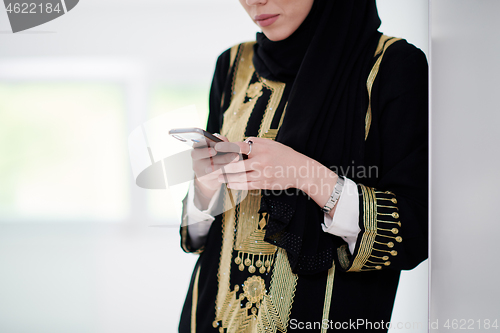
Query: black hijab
[327, 61]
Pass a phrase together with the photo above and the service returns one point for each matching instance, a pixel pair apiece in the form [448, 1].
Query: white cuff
[346, 218]
[199, 221]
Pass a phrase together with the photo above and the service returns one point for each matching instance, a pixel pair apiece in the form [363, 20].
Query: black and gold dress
[354, 100]
[243, 283]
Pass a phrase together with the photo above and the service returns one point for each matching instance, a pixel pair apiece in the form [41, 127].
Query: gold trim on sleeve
[383, 44]
[370, 226]
[373, 243]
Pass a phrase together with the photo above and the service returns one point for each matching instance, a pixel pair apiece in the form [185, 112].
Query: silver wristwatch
[334, 197]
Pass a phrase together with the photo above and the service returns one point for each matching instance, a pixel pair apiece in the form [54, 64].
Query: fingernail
[208, 169]
[212, 151]
[221, 179]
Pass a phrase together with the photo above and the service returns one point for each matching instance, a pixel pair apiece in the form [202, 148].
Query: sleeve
[345, 220]
[199, 221]
[217, 96]
[393, 205]
[214, 125]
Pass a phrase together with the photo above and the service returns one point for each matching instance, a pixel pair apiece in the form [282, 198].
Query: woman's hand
[206, 160]
[270, 165]
[274, 166]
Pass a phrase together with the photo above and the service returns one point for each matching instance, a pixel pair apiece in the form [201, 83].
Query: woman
[332, 117]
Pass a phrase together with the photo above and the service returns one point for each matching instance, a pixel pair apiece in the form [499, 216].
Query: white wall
[465, 159]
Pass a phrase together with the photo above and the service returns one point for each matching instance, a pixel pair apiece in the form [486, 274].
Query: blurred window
[63, 151]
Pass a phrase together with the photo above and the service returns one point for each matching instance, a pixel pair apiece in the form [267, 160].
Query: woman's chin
[274, 35]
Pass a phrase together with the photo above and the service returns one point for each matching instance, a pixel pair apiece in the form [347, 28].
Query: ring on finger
[250, 143]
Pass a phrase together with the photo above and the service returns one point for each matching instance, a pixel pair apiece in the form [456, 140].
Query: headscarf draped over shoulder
[327, 61]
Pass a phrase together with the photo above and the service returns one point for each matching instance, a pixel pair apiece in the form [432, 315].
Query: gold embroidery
[395, 215]
[383, 258]
[254, 90]
[373, 231]
[194, 303]
[184, 236]
[342, 255]
[393, 200]
[248, 219]
[393, 252]
[250, 242]
[254, 288]
[393, 230]
[277, 305]
[243, 229]
[283, 115]
[244, 69]
[371, 204]
[383, 221]
[228, 224]
[398, 238]
[277, 90]
[384, 192]
[237, 115]
[270, 134]
[370, 225]
[383, 44]
[393, 207]
[328, 296]
[254, 252]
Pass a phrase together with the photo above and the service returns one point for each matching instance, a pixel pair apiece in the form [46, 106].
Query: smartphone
[195, 137]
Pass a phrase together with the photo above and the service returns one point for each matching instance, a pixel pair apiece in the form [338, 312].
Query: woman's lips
[265, 20]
